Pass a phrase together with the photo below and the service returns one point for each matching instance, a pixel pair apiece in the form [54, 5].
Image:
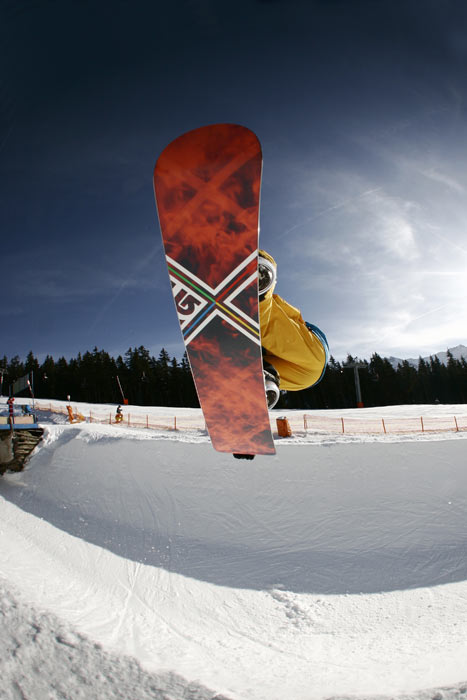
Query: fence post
[457, 427]
[342, 420]
[90, 416]
[128, 420]
[305, 423]
[384, 426]
[421, 421]
[175, 422]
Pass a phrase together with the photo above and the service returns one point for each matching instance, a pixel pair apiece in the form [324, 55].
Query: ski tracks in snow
[43, 658]
[252, 580]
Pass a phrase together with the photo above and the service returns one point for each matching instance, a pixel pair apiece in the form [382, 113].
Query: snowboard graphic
[207, 185]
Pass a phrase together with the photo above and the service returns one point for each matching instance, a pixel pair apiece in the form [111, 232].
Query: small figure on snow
[295, 352]
[119, 414]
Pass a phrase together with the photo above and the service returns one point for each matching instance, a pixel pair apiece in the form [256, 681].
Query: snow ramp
[319, 571]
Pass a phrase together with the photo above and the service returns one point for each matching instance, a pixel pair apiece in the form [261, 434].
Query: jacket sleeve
[297, 353]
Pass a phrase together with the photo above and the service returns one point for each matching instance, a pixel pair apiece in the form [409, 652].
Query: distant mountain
[457, 352]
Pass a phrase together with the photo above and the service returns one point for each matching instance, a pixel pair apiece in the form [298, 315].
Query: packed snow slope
[332, 569]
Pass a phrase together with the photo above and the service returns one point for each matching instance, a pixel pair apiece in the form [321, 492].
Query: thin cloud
[133, 280]
[380, 275]
[333, 208]
[442, 178]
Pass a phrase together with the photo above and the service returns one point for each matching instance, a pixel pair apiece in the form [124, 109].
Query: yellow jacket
[294, 351]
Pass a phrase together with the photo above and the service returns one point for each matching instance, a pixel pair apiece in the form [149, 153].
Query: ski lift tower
[356, 366]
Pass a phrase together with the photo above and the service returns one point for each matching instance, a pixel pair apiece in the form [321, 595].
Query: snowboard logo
[188, 304]
[198, 303]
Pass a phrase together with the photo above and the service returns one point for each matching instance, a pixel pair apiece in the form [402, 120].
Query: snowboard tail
[207, 185]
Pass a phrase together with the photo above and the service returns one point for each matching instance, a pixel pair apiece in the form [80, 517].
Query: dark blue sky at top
[358, 104]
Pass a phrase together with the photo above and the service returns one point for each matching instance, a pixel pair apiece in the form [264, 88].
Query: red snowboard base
[207, 185]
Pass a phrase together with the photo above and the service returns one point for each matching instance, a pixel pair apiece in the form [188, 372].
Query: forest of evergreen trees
[164, 381]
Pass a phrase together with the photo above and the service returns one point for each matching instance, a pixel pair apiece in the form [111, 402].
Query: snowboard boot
[266, 275]
[271, 384]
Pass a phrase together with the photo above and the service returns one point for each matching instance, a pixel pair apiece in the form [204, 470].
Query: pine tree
[424, 393]
[32, 365]
[407, 374]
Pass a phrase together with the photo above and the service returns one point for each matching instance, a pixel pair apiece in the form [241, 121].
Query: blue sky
[360, 109]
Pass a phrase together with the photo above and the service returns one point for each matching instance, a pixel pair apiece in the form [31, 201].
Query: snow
[143, 564]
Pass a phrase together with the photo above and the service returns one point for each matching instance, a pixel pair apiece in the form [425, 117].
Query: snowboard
[207, 187]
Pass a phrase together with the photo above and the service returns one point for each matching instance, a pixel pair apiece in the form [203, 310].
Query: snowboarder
[295, 352]
[119, 414]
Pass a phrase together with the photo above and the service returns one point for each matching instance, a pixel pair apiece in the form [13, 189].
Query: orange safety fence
[393, 425]
[133, 420]
[302, 423]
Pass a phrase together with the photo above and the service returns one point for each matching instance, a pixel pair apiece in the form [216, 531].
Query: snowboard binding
[271, 384]
[272, 389]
